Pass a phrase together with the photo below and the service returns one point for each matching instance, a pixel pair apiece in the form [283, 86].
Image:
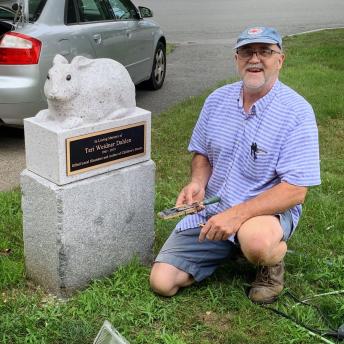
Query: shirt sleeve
[198, 138]
[298, 162]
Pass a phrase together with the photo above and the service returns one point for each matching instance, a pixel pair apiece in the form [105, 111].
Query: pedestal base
[85, 230]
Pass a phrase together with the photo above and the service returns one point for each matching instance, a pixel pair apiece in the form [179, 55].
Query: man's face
[259, 70]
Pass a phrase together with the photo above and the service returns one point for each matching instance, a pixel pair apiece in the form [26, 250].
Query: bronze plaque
[105, 147]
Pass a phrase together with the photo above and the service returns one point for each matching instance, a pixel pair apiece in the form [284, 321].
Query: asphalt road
[204, 33]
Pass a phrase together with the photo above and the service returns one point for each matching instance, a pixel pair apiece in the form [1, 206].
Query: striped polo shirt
[250, 153]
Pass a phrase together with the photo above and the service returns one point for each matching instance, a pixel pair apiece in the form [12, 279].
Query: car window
[71, 17]
[93, 10]
[35, 8]
[123, 9]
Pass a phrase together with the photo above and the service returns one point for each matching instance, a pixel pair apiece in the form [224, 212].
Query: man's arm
[273, 201]
[200, 174]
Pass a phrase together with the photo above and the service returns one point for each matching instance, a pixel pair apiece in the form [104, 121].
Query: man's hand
[222, 225]
[200, 174]
[193, 192]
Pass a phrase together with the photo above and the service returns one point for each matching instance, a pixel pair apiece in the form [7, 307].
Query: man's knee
[165, 279]
[257, 251]
[259, 238]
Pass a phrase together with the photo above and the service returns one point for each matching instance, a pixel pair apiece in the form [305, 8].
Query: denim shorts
[200, 259]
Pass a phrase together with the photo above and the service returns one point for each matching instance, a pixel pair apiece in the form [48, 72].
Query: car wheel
[159, 68]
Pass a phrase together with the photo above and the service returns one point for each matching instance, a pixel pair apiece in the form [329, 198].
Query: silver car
[32, 32]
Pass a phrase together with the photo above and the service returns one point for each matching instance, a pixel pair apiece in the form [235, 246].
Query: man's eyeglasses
[262, 53]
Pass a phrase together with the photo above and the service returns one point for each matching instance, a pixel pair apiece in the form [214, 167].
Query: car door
[107, 36]
[139, 36]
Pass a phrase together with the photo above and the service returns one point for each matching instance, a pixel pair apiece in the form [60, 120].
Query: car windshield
[7, 11]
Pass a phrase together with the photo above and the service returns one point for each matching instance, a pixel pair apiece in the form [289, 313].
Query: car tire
[158, 73]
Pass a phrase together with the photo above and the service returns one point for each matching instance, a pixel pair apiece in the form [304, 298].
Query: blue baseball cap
[259, 35]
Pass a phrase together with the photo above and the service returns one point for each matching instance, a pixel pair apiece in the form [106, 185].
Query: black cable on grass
[324, 317]
[330, 332]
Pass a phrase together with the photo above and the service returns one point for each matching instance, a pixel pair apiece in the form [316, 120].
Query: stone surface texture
[83, 231]
[87, 91]
[45, 146]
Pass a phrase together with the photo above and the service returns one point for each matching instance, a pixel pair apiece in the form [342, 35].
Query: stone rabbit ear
[81, 61]
[59, 59]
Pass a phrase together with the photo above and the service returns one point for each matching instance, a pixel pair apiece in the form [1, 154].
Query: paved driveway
[12, 157]
[204, 35]
[206, 31]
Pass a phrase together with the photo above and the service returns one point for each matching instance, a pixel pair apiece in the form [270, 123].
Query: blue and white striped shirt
[282, 125]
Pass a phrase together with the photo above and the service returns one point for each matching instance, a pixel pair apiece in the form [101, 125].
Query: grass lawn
[216, 310]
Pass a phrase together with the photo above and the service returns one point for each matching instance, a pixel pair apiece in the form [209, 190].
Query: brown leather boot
[268, 284]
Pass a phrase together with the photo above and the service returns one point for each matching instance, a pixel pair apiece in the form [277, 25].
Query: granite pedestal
[84, 230]
[82, 225]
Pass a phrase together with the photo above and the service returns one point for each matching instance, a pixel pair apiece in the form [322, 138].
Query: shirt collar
[261, 104]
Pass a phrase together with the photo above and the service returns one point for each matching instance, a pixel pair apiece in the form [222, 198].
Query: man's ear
[281, 60]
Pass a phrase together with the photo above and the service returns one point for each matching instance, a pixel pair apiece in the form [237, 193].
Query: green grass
[170, 47]
[216, 310]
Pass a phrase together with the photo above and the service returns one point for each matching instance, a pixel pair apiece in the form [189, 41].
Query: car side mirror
[145, 12]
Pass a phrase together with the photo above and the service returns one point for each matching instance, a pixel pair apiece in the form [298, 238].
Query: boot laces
[264, 275]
